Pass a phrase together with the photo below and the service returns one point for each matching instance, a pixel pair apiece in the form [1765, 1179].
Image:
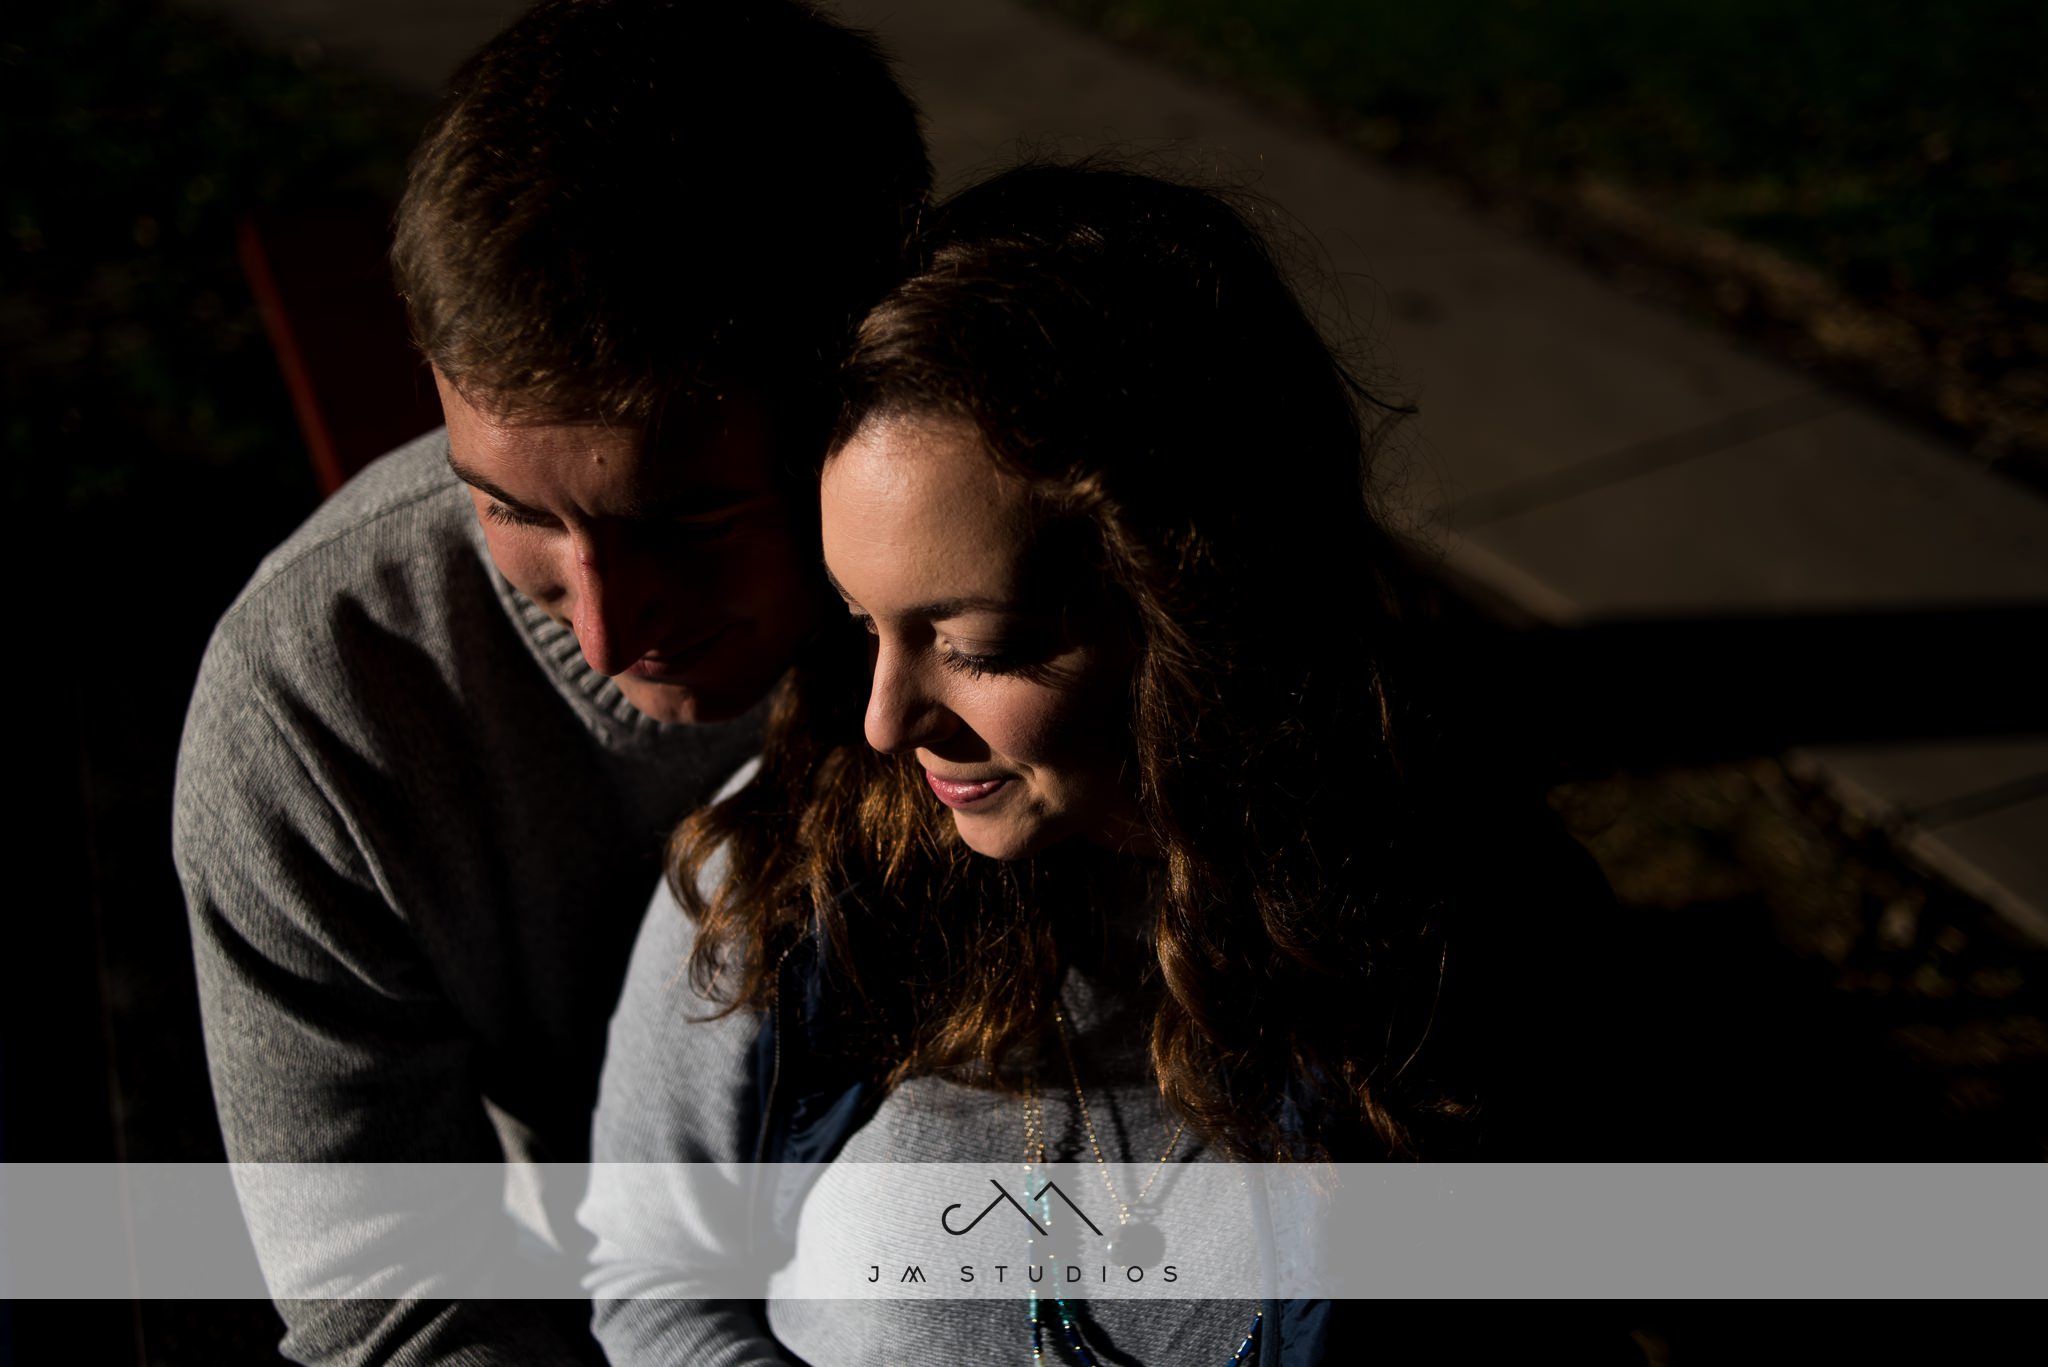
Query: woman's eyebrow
[937, 611]
[837, 587]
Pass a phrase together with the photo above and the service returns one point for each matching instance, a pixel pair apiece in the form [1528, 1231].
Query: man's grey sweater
[416, 833]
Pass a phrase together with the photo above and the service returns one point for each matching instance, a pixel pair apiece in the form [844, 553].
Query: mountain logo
[1003, 1195]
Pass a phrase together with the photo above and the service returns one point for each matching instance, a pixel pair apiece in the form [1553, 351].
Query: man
[437, 743]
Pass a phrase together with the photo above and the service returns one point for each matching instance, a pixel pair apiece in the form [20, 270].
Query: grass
[1895, 148]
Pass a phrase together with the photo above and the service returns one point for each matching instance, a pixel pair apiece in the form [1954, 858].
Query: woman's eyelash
[980, 666]
[967, 663]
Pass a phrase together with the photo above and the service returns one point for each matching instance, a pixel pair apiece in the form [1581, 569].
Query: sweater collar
[595, 698]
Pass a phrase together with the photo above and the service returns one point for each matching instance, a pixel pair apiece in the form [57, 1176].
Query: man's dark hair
[622, 200]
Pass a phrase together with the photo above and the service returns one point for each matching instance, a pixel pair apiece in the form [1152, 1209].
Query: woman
[1116, 823]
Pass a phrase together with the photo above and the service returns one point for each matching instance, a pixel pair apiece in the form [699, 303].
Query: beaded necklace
[1132, 1237]
[1137, 1240]
[1086, 1357]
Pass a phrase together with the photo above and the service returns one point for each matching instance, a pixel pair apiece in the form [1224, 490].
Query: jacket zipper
[775, 1024]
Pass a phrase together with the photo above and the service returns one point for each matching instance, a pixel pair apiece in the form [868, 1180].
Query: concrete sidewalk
[1581, 455]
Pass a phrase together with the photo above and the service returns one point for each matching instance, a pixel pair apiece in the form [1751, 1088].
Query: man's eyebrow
[937, 611]
[693, 502]
[477, 481]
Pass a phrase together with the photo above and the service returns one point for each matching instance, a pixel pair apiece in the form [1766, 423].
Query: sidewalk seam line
[1643, 458]
[1949, 811]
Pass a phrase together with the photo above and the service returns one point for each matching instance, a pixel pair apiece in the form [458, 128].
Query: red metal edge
[298, 379]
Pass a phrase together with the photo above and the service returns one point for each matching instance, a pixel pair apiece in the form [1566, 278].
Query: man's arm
[330, 1040]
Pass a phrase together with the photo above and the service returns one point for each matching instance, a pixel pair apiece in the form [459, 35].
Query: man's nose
[616, 616]
[903, 712]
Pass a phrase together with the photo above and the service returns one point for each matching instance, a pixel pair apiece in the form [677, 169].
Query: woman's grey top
[677, 1089]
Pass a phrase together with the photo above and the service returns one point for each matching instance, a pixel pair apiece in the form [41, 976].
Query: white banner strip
[973, 1231]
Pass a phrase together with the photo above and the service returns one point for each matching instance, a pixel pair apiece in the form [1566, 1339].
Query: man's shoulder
[394, 554]
[405, 505]
[372, 598]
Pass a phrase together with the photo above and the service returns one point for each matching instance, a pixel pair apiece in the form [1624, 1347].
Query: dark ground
[1833, 1000]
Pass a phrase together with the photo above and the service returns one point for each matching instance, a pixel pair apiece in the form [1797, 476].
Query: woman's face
[1012, 697]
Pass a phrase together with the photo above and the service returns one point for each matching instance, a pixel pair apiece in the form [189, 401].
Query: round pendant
[1137, 1244]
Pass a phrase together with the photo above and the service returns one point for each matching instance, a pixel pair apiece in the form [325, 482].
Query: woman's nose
[903, 712]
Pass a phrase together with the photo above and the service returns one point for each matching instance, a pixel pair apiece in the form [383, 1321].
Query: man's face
[679, 570]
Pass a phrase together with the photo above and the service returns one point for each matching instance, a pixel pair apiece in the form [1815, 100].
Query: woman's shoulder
[678, 1072]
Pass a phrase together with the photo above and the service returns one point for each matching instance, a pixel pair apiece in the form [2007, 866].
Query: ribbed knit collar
[558, 649]
[597, 700]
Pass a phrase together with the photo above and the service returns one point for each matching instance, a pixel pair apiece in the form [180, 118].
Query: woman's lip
[954, 793]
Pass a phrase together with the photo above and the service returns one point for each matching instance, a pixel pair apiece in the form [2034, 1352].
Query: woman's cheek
[1071, 729]
[1034, 730]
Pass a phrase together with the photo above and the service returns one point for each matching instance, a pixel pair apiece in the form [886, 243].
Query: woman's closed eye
[1032, 655]
[976, 660]
[981, 664]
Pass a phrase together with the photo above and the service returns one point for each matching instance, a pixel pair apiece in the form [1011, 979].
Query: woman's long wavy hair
[1129, 349]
